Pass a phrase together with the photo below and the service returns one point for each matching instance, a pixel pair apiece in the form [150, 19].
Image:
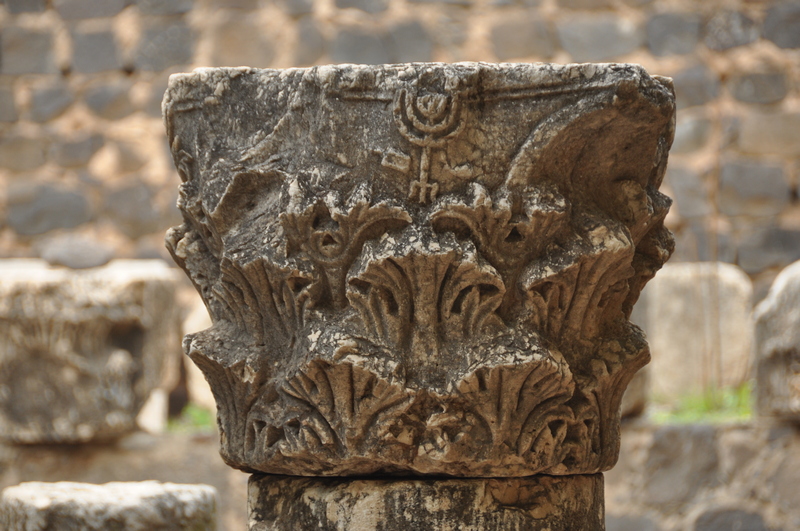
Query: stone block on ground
[82, 350]
[142, 506]
[566, 503]
[778, 347]
[699, 327]
[729, 518]
[74, 251]
[26, 51]
[598, 37]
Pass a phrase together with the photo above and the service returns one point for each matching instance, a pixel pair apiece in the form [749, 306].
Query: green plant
[730, 404]
[192, 419]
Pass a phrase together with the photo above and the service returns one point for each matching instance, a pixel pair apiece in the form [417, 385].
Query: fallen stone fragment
[778, 347]
[80, 351]
[136, 506]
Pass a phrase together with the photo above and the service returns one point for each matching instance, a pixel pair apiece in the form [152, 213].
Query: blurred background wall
[84, 165]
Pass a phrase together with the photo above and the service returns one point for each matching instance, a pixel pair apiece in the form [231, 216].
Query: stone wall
[83, 150]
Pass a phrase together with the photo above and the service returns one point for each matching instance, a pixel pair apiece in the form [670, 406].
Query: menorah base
[564, 503]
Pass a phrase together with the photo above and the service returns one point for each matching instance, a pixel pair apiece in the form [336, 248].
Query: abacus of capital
[420, 278]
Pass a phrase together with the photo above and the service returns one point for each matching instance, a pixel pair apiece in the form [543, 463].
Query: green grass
[717, 406]
[193, 419]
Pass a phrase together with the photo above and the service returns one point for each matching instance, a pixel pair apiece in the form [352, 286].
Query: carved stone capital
[420, 268]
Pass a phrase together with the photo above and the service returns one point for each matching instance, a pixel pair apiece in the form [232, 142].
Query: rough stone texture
[81, 9]
[49, 101]
[539, 503]
[84, 348]
[729, 29]
[515, 37]
[35, 208]
[710, 304]
[598, 37]
[768, 87]
[696, 85]
[163, 45]
[22, 153]
[761, 133]
[403, 278]
[94, 51]
[142, 506]
[673, 33]
[770, 247]
[25, 51]
[778, 347]
[782, 25]
[752, 188]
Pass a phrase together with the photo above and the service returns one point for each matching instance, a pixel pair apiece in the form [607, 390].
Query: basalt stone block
[135, 506]
[420, 268]
[94, 51]
[539, 503]
[35, 208]
[782, 25]
[598, 37]
[357, 45]
[729, 29]
[50, 100]
[80, 351]
[517, 37]
[8, 108]
[310, 44]
[163, 45]
[778, 347]
[673, 33]
[766, 87]
[25, 51]
[752, 188]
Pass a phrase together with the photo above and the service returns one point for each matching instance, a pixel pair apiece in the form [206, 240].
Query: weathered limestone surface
[143, 506]
[282, 503]
[80, 351]
[420, 268]
[700, 328]
[778, 347]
